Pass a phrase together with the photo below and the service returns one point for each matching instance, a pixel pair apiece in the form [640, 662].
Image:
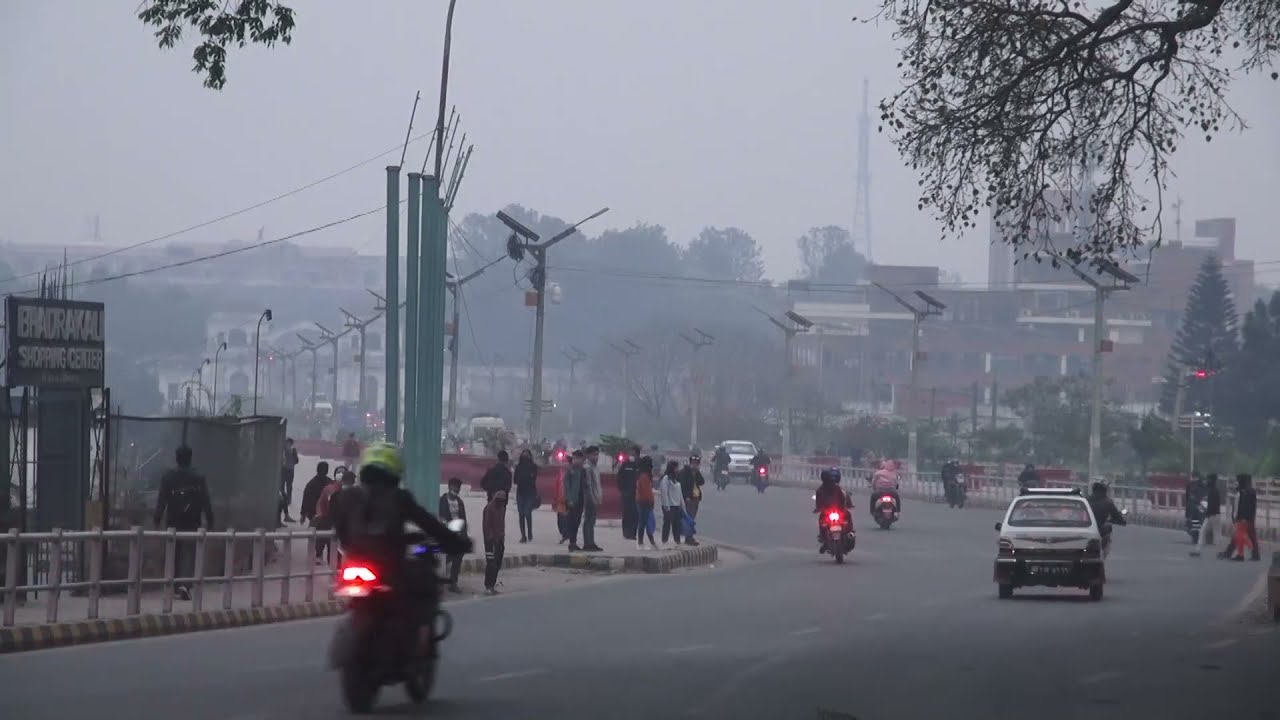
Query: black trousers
[493, 551]
[575, 522]
[630, 516]
[454, 563]
[671, 523]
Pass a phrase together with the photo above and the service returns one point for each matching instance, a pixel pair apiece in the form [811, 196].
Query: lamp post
[627, 353]
[524, 240]
[454, 286]
[199, 373]
[798, 324]
[932, 307]
[703, 340]
[257, 344]
[314, 349]
[332, 338]
[214, 400]
[360, 326]
[574, 356]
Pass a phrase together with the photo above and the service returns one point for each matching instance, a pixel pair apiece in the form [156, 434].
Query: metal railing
[1138, 500]
[57, 563]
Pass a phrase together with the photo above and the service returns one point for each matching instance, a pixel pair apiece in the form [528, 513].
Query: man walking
[183, 501]
[451, 508]
[591, 497]
[1246, 513]
[1209, 495]
[628, 473]
[287, 465]
[494, 525]
[575, 488]
[691, 482]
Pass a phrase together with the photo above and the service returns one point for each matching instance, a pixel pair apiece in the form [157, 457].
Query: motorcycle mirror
[457, 525]
[998, 525]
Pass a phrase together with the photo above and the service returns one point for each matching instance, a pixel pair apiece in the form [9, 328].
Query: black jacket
[184, 500]
[1247, 505]
[689, 479]
[950, 472]
[371, 525]
[496, 478]
[830, 494]
[760, 460]
[628, 473]
[443, 510]
[311, 495]
[1029, 478]
[1105, 511]
[526, 479]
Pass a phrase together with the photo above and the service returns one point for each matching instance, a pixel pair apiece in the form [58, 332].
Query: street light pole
[703, 340]
[525, 240]
[454, 287]
[798, 324]
[214, 401]
[257, 350]
[1121, 280]
[332, 338]
[932, 307]
[314, 349]
[627, 352]
[360, 326]
[574, 356]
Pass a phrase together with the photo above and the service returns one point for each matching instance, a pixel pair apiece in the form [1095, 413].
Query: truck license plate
[1045, 569]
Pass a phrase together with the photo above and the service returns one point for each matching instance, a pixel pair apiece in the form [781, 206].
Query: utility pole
[332, 338]
[1121, 279]
[313, 348]
[627, 352]
[932, 307]
[703, 340]
[391, 377]
[454, 286]
[798, 324]
[523, 240]
[360, 326]
[574, 356]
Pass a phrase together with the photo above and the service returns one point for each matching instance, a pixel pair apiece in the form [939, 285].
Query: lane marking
[877, 616]
[511, 675]
[807, 631]
[1100, 677]
[1223, 643]
[685, 649]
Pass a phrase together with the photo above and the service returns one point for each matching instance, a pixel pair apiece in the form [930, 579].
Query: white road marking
[1225, 642]
[807, 631]
[511, 675]
[685, 649]
[877, 616]
[1100, 677]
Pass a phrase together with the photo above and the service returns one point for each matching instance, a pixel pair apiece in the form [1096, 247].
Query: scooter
[722, 478]
[885, 511]
[762, 478]
[836, 527]
[956, 492]
[370, 648]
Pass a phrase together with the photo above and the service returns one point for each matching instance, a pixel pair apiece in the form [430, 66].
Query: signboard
[55, 343]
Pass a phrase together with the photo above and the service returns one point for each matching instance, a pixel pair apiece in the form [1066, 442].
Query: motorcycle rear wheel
[418, 687]
[359, 688]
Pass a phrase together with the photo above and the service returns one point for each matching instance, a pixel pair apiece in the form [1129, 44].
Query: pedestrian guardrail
[1148, 501]
[45, 567]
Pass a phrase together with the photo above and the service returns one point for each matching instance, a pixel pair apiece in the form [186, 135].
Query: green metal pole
[411, 404]
[431, 340]
[392, 380]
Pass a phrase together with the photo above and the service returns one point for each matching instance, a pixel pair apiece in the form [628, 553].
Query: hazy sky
[681, 113]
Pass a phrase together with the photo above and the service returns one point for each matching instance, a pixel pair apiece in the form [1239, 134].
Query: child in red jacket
[494, 525]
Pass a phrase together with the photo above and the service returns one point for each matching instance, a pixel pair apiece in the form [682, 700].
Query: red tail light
[1006, 546]
[886, 498]
[833, 516]
[763, 471]
[356, 581]
[622, 458]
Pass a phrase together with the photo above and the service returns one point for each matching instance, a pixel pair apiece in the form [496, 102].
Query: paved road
[910, 629]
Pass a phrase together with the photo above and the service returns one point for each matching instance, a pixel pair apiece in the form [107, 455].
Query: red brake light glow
[833, 516]
[358, 574]
[886, 498]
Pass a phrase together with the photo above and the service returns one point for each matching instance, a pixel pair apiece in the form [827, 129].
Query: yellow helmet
[384, 456]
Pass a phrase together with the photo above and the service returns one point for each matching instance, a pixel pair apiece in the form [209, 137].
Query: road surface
[911, 628]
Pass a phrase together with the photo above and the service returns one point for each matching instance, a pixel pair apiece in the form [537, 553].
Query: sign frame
[67, 336]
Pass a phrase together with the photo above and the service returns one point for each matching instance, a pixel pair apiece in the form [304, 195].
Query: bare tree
[1005, 101]
[654, 373]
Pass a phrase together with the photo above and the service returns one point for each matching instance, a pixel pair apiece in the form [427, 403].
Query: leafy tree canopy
[1004, 102]
[827, 255]
[218, 24]
[729, 253]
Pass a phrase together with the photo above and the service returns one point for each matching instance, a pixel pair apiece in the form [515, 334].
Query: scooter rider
[830, 495]
[760, 460]
[950, 474]
[1104, 509]
[720, 463]
[370, 525]
[885, 481]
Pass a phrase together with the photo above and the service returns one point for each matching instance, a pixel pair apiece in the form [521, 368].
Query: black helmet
[831, 475]
[1099, 486]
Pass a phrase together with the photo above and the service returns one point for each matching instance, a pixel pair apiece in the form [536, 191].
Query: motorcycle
[762, 478]
[885, 511]
[836, 526]
[956, 492]
[1106, 536]
[1195, 520]
[722, 478]
[371, 648]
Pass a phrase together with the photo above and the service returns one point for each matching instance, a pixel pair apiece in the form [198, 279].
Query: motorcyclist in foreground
[830, 495]
[885, 482]
[370, 526]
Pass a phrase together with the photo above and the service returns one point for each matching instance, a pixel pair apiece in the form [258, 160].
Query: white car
[740, 454]
[1050, 538]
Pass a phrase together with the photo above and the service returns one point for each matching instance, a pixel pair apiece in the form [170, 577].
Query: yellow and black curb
[83, 632]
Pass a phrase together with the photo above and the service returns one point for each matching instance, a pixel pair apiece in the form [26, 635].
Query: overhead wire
[226, 216]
